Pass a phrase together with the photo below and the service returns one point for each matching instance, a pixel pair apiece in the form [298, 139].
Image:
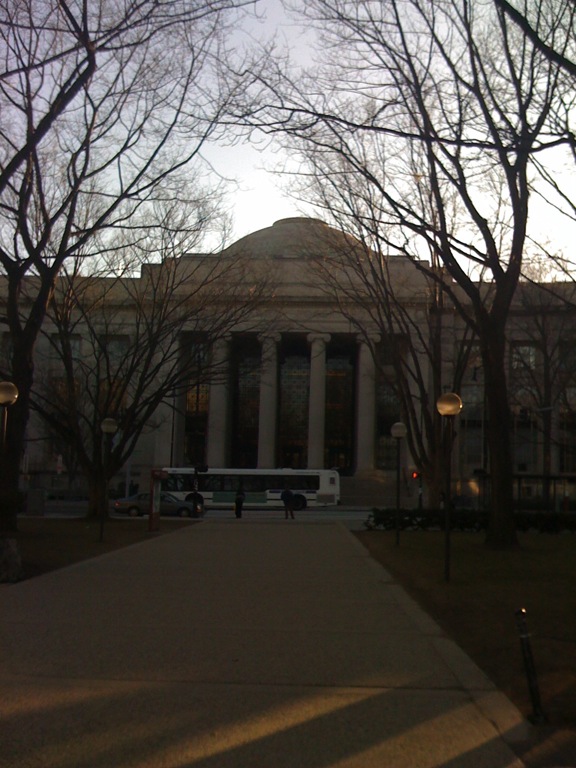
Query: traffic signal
[415, 475]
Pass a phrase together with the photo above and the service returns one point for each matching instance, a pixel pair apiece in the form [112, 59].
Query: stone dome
[292, 238]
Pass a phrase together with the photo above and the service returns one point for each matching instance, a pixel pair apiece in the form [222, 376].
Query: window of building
[196, 403]
[387, 409]
[57, 353]
[340, 397]
[112, 396]
[115, 347]
[294, 394]
[63, 389]
[567, 356]
[526, 438]
[567, 457]
[293, 436]
[387, 412]
[523, 357]
[196, 422]
[246, 360]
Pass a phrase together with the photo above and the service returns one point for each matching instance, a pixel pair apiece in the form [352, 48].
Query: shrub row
[466, 520]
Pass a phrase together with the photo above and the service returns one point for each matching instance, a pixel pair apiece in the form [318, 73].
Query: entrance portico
[297, 400]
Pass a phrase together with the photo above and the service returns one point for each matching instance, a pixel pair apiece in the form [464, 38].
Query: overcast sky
[260, 201]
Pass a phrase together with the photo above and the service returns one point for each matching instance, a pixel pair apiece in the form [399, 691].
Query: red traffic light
[415, 475]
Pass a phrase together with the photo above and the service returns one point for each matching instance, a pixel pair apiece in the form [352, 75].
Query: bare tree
[550, 25]
[120, 347]
[440, 109]
[541, 369]
[52, 50]
[426, 346]
[96, 122]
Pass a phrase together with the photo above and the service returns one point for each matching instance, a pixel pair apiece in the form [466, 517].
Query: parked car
[139, 504]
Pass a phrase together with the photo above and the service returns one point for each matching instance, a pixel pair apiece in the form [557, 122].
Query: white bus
[262, 487]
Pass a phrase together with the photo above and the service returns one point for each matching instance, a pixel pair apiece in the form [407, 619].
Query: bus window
[210, 482]
[177, 483]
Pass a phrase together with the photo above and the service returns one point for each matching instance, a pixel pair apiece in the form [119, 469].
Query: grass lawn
[49, 543]
[476, 608]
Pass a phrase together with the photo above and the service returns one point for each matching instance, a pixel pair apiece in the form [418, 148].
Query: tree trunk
[11, 497]
[434, 473]
[547, 419]
[97, 496]
[10, 562]
[501, 525]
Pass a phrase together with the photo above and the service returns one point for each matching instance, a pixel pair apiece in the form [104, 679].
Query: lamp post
[398, 432]
[448, 406]
[109, 428]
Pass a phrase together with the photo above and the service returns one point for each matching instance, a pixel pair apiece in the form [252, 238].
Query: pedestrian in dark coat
[288, 500]
[239, 502]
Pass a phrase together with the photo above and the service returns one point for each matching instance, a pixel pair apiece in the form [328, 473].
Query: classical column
[164, 437]
[218, 405]
[365, 406]
[267, 427]
[317, 400]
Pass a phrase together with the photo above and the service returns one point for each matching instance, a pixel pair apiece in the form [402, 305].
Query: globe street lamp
[398, 432]
[448, 406]
[109, 428]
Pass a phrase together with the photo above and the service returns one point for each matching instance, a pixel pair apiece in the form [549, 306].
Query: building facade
[304, 380]
[301, 389]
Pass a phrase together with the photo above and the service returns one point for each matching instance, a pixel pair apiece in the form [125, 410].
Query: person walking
[288, 500]
[239, 502]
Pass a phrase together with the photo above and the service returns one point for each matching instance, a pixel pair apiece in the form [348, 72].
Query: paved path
[238, 645]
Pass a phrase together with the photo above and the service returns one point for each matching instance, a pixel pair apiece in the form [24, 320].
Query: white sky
[259, 200]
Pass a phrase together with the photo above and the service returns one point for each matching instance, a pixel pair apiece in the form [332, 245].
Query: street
[352, 517]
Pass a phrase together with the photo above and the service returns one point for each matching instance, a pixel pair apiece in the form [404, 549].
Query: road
[349, 516]
[352, 517]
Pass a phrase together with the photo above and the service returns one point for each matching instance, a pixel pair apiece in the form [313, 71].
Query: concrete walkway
[239, 644]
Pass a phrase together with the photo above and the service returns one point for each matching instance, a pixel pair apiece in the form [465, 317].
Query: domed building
[285, 367]
[279, 364]
[299, 387]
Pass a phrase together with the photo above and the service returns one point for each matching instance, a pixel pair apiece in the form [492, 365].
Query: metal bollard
[538, 715]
